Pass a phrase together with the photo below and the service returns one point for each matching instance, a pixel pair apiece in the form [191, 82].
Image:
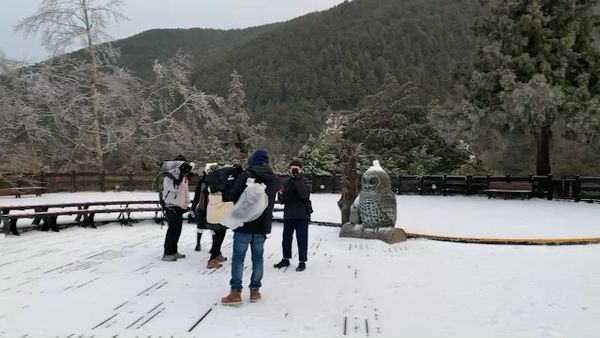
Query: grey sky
[147, 14]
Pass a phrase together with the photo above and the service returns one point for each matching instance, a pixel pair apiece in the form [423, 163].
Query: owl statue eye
[373, 181]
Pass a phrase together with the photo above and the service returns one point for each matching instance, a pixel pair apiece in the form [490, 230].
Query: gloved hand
[295, 173]
[185, 168]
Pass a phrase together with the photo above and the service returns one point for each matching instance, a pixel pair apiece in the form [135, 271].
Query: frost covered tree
[69, 23]
[538, 65]
[55, 101]
[232, 136]
[176, 114]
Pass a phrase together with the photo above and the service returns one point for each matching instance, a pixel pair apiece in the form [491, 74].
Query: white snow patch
[375, 167]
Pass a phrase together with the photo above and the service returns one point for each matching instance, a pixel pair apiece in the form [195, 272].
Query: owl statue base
[389, 235]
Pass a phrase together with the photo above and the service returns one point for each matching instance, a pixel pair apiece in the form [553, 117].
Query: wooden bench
[508, 188]
[19, 191]
[83, 211]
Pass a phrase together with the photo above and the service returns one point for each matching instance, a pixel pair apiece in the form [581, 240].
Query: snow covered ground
[110, 282]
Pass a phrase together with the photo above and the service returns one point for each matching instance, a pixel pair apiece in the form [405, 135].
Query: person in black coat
[252, 234]
[295, 195]
[200, 208]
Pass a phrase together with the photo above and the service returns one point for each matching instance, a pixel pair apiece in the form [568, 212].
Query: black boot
[301, 266]
[284, 262]
[198, 239]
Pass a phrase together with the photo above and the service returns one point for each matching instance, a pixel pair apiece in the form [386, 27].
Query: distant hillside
[336, 57]
[295, 71]
[139, 51]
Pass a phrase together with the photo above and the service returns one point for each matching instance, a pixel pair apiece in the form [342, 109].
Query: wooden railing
[566, 187]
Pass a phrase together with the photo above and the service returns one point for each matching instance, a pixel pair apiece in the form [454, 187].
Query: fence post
[399, 188]
[421, 185]
[577, 189]
[469, 184]
[43, 181]
[550, 195]
[130, 176]
[508, 178]
[73, 181]
[102, 181]
[444, 179]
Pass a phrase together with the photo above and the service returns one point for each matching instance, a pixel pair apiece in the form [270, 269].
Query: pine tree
[394, 128]
[538, 63]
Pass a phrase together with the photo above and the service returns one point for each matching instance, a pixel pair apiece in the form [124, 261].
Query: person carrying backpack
[254, 233]
[211, 206]
[295, 195]
[175, 199]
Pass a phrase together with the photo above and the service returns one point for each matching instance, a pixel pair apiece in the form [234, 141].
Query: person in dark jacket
[253, 233]
[200, 206]
[295, 195]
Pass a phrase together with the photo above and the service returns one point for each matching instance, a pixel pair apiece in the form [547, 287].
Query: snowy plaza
[110, 282]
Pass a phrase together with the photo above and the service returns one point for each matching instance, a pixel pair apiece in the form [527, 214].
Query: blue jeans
[240, 246]
[301, 228]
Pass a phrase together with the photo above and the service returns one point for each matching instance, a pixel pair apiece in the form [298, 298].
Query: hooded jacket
[262, 174]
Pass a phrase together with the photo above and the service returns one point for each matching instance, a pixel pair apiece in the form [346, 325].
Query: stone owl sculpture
[375, 206]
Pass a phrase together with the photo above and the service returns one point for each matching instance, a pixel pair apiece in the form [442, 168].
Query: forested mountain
[295, 71]
[139, 51]
[336, 57]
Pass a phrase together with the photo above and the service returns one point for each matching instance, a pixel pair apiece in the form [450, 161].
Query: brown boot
[213, 264]
[220, 258]
[234, 298]
[254, 295]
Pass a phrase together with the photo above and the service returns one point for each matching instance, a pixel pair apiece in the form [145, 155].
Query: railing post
[73, 181]
[130, 178]
[43, 181]
[577, 188]
[550, 195]
[399, 188]
[103, 181]
[444, 179]
[421, 185]
[469, 184]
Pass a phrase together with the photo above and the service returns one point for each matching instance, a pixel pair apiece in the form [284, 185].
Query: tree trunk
[99, 152]
[349, 179]
[542, 164]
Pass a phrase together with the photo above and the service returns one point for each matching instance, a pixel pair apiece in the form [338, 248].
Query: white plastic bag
[250, 206]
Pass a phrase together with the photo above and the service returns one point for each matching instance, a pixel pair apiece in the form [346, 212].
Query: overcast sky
[147, 14]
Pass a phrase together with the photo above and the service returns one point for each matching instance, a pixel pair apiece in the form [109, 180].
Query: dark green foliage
[139, 51]
[393, 128]
[538, 64]
[335, 58]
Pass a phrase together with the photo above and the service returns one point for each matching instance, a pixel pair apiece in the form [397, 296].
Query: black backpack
[222, 178]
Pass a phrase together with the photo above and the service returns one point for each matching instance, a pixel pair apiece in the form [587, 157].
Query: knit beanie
[259, 157]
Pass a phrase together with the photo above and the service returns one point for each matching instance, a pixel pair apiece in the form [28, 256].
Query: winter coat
[262, 174]
[175, 191]
[296, 198]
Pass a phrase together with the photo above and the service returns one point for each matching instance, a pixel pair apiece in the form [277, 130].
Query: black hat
[295, 163]
[180, 158]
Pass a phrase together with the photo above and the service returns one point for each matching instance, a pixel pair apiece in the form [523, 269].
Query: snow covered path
[110, 281]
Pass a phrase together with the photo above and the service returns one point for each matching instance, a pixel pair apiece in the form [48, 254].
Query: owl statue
[375, 206]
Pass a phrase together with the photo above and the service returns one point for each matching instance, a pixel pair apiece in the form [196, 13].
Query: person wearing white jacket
[176, 198]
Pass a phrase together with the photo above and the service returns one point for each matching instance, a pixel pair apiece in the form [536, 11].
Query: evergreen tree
[537, 64]
[394, 128]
